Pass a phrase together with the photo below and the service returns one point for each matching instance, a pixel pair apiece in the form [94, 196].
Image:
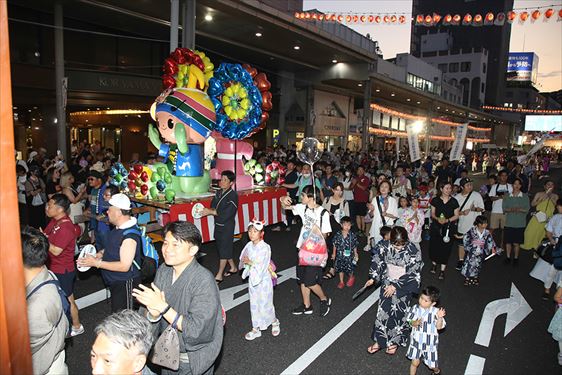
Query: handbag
[540, 216]
[166, 352]
[37, 200]
[545, 251]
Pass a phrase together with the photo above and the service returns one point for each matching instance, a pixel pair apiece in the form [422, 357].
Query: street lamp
[417, 127]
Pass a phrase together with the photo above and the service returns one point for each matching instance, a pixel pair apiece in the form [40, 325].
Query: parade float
[203, 111]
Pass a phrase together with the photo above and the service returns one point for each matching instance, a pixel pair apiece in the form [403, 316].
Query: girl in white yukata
[256, 258]
[426, 320]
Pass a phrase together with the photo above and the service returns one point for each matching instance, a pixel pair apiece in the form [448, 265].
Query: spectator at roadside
[48, 324]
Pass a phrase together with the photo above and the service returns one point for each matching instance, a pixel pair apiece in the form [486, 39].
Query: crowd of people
[384, 202]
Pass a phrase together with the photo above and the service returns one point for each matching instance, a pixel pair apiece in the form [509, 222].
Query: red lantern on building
[549, 12]
[467, 20]
[355, 19]
[428, 20]
[500, 19]
[371, 18]
[477, 20]
[386, 19]
[402, 19]
[456, 20]
[393, 19]
[535, 15]
[436, 18]
[560, 14]
[447, 19]
[523, 17]
[511, 15]
[378, 19]
[489, 19]
[419, 19]
[362, 19]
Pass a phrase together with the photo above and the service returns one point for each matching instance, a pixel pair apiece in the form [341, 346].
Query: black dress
[335, 228]
[439, 251]
[226, 204]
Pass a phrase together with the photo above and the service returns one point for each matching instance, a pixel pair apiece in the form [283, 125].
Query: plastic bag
[313, 250]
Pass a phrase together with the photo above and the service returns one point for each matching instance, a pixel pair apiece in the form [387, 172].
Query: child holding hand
[426, 320]
[345, 252]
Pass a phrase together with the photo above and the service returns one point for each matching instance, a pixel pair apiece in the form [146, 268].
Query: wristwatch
[165, 310]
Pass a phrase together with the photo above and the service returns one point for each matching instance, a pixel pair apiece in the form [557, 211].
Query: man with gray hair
[123, 341]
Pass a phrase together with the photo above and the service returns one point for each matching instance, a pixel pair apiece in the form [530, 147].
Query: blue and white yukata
[424, 338]
[260, 284]
[477, 246]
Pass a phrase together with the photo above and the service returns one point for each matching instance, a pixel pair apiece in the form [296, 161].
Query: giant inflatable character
[185, 118]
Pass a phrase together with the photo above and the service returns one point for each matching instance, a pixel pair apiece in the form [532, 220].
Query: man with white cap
[116, 260]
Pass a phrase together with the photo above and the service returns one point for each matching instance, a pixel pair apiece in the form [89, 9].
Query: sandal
[229, 273]
[329, 275]
[218, 281]
[441, 275]
[467, 282]
[253, 334]
[475, 281]
[433, 269]
[391, 350]
[275, 328]
[373, 348]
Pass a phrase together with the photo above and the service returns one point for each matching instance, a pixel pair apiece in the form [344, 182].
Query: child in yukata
[256, 257]
[413, 220]
[385, 234]
[345, 252]
[426, 320]
[478, 244]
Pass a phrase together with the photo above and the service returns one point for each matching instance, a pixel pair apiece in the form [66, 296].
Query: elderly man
[48, 324]
[123, 341]
[116, 260]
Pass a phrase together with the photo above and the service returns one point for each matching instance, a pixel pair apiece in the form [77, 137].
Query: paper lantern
[500, 19]
[436, 18]
[560, 14]
[456, 20]
[419, 19]
[523, 17]
[402, 19]
[477, 20]
[355, 19]
[386, 19]
[378, 19]
[549, 12]
[340, 18]
[467, 20]
[489, 19]
[393, 19]
[428, 20]
[347, 18]
[371, 18]
[362, 19]
[511, 16]
[535, 15]
[447, 19]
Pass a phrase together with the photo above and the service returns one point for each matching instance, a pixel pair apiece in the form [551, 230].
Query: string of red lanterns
[430, 20]
[408, 116]
[524, 110]
[402, 134]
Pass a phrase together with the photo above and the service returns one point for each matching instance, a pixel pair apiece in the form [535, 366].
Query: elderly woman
[545, 204]
[185, 296]
[398, 267]
[516, 207]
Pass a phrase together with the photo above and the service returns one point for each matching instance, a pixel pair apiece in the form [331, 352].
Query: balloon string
[313, 182]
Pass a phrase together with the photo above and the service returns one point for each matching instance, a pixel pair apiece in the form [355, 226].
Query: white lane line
[92, 299]
[329, 338]
[475, 365]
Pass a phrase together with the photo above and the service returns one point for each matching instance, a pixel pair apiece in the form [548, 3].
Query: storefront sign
[113, 84]
[275, 137]
[331, 126]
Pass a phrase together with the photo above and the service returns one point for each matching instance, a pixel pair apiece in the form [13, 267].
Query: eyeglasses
[91, 179]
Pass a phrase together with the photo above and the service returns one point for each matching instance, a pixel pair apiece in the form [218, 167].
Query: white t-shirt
[554, 225]
[310, 217]
[467, 221]
[497, 205]
[400, 186]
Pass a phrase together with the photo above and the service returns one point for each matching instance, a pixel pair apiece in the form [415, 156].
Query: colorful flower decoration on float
[238, 100]
[187, 68]
[138, 181]
[254, 169]
[161, 178]
[117, 174]
[275, 174]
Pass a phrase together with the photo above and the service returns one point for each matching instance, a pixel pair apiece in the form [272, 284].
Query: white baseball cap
[120, 201]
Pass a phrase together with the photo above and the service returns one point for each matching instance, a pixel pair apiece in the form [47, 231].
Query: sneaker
[303, 310]
[275, 328]
[459, 265]
[367, 247]
[325, 306]
[545, 296]
[350, 282]
[341, 285]
[253, 334]
[77, 331]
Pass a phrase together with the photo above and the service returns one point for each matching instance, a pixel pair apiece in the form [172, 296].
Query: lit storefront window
[423, 84]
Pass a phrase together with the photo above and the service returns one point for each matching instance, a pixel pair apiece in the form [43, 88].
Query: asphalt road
[336, 344]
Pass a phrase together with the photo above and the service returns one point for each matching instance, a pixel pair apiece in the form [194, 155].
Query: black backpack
[148, 255]
[63, 298]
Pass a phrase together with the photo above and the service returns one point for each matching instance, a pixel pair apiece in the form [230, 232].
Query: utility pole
[60, 81]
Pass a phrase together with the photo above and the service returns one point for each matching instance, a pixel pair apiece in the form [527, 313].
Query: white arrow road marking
[475, 365]
[93, 298]
[227, 295]
[516, 308]
[329, 338]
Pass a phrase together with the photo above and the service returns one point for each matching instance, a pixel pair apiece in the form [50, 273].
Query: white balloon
[309, 152]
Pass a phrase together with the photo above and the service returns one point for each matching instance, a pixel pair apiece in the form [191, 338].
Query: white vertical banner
[458, 145]
[523, 158]
[413, 142]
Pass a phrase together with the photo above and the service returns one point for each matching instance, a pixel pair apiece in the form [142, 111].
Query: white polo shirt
[497, 205]
[467, 221]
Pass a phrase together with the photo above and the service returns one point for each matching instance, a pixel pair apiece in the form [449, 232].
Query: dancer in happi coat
[398, 268]
[478, 244]
[255, 258]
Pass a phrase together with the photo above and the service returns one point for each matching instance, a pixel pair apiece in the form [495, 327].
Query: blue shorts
[66, 281]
